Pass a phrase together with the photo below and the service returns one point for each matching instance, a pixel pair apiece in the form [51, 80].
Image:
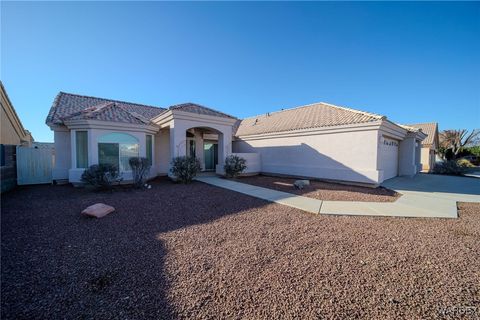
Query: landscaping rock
[300, 184]
[98, 210]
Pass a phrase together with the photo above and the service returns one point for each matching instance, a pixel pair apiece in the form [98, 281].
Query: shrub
[185, 168]
[234, 165]
[464, 163]
[450, 167]
[101, 176]
[140, 170]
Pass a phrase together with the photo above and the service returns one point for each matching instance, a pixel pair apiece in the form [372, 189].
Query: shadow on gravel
[58, 264]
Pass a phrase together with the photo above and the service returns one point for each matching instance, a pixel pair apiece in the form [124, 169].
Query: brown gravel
[197, 252]
[324, 190]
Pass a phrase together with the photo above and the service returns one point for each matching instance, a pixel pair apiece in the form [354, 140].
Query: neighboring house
[429, 145]
[12, 134]
[317, 141]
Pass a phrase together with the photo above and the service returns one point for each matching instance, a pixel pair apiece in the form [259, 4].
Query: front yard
[323, 190]
[197, 251]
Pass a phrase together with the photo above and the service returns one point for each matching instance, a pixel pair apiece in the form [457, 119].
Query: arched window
[117, 148]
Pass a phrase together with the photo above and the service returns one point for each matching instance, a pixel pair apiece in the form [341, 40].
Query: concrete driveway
[461, 189]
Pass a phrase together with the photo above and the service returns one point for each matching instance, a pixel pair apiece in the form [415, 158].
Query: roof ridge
[133, 114]
[111, 100]
[199, 105]
[380, 117]
[417, 124]
[410, 128]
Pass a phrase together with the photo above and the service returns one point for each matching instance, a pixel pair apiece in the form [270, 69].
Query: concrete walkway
[427, 196]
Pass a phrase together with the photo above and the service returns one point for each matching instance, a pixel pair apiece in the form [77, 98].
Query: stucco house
[320, 140]
[13, 134]
[430, 145]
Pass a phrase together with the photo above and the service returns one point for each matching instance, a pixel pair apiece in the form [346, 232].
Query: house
[430, 144]
[318, 141]
[12, 135]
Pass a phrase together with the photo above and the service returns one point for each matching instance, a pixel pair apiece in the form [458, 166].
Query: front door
[210, 151]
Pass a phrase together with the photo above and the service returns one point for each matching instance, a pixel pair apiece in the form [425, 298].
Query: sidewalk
[411, 204]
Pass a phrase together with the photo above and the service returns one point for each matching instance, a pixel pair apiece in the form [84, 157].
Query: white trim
[109, 125]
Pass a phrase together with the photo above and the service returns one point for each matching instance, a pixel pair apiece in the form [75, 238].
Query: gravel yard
[324, 190]
[200, 252]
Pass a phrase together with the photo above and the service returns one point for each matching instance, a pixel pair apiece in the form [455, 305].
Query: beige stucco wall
[12, 131]
[63, 154]
[8, 133]
[347, 156]
[162, 152]
[427, 159]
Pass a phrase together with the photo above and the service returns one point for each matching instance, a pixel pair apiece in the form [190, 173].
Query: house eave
[366, 126]
[110, 125]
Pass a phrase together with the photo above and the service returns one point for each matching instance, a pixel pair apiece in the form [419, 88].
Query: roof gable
[73, 106]
[430, 129]
[305, 117]
[199, 109]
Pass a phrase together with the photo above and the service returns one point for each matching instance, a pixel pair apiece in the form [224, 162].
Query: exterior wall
[162, 152]
[418, 150]
[347, 156]
[63, 154]
[387, 157]
[8, 174]
[9, 135]
[254, 165]
[407, 158]
[427, 158]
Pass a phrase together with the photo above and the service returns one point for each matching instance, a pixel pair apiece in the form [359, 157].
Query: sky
[412, 61]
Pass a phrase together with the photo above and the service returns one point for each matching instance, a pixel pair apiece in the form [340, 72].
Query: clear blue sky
[414, 62]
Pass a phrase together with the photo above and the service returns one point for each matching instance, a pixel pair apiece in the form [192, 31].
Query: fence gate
[34, 166]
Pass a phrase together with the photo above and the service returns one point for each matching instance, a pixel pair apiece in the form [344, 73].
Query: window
[117, 148]
[81, 142]
[149, 145]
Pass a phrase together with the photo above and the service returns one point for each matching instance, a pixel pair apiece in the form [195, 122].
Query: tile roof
[430, 129]
[304, 117]
[199, 109]
[73, 106]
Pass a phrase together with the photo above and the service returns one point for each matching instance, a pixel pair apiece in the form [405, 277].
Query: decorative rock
[300, 184]
[98, 210]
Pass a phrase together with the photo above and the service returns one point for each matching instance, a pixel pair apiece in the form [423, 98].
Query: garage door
[389, 152]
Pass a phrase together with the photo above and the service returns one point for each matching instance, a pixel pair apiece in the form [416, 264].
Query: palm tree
[455, 140]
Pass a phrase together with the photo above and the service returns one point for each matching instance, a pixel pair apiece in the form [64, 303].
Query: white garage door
[389, 151]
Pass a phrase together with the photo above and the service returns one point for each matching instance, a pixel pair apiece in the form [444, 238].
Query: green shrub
[140, 170]
[449, 167]
[464, 163]
[234, 165]
[185, 168]
[101, 176]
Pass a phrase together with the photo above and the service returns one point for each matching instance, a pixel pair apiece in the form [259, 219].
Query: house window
[149, 147]
[117, 149]
[81, 143]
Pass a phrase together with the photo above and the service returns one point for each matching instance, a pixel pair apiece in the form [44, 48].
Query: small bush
[449, 167]
[464, 163]
[234, 165]
[101, 176]
[140, 170]
[185, 168]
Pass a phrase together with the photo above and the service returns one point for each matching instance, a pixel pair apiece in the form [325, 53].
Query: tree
[455, 140]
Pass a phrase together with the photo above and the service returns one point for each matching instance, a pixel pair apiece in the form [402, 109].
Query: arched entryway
[206, 144]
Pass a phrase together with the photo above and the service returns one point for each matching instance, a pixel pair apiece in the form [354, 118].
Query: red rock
[98, 210]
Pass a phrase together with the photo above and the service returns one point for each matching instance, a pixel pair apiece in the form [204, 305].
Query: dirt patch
[324, 190]
[200, 252]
